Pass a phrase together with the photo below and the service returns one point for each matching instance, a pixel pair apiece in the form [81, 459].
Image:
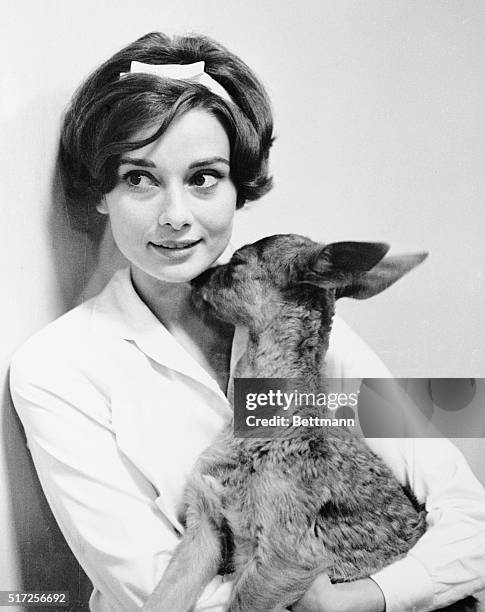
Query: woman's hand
[320, 597]
[358, 596]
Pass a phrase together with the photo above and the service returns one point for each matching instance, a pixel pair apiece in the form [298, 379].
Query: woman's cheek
[222, 216]
[222, 229]
[128, 229]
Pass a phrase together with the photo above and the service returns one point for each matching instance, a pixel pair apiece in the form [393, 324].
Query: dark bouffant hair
[107, 111]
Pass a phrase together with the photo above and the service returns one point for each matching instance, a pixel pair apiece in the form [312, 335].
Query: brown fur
[315, 499]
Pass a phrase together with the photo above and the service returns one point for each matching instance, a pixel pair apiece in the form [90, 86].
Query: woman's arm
[323, 596]
[105, 506]
[448, 562]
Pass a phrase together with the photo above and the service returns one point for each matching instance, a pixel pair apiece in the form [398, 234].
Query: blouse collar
[118, 309]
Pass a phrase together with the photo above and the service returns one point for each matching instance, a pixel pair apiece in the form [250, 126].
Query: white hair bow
[181, 72]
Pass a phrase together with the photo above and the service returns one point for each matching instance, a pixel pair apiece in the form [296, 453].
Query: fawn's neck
[292, 346]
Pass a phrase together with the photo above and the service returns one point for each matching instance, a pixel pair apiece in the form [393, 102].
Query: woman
[119, 396]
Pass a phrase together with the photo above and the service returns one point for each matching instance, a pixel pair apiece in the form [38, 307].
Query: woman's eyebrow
[147, 163]
[209, 161]
[137, 161]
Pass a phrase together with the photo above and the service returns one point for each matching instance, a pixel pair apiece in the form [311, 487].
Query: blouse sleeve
[103, 504]
[448, 562]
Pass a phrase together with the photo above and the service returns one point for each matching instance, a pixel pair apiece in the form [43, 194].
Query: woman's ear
[102, 207]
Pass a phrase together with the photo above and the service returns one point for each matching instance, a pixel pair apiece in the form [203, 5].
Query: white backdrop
[380, 135]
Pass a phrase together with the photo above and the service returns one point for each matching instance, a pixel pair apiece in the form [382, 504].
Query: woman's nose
[175, 211]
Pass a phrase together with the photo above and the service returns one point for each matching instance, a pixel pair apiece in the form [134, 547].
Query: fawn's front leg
[277, 576]
[198, 556]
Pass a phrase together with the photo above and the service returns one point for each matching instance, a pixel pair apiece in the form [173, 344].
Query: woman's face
[172, 209]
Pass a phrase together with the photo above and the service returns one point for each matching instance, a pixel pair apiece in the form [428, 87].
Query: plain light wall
[380, 136]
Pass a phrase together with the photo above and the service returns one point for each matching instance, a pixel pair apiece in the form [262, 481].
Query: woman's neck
[208, 340]
[169, 302]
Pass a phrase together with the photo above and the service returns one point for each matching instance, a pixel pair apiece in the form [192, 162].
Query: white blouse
[116, 413]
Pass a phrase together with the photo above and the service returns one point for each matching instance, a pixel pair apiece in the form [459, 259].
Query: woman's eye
[205, 180]
[139, 181]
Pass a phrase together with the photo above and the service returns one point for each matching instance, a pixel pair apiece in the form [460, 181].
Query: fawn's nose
[175, 208]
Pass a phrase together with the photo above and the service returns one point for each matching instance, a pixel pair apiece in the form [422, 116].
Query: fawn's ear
[348, 257]
[331, 266]
[366, 284]
[358, 269]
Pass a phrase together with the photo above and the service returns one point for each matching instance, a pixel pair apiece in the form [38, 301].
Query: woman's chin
[177, 267]
[183, 273]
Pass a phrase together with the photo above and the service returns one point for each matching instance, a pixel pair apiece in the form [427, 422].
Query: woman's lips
[176, 245]
[174, 250]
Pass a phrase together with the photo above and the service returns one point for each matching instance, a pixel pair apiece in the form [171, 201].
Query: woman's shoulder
[66, 365]
[79, 333]
[349, 356]
[59, 354]
[59, 334]
[61, 371]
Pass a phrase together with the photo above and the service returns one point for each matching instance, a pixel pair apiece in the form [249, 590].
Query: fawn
[278, 512]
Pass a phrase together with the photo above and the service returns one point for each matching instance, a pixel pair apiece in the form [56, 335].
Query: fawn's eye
[237, 259]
